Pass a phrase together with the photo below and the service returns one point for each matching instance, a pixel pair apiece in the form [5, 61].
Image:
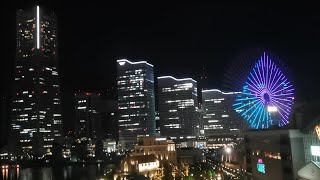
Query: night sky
[179, 39]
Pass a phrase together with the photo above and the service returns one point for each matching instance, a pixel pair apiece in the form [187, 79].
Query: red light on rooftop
[88, 94]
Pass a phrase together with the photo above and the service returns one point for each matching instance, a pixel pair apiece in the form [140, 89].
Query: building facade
[36, 107]
[95, 116]
[136, 101]
[162, 148]
[221, 124]
[274, 154]
[178, 104]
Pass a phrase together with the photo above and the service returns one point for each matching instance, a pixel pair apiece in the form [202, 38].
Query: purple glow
[260, 161]
[266, 86]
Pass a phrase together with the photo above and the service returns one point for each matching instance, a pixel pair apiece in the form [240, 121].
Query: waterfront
[82, 172]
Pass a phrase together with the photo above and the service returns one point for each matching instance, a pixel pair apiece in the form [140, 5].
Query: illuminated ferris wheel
[267, 96]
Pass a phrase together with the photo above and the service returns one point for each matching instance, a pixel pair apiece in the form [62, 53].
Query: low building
[147, 165]
[274, 153]
[162, 148]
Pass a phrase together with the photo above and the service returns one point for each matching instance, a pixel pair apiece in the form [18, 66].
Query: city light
[272, 109]
[123, 61]
[228, 150]
[315, 150]
[171, 77]
[317, 130]
[210, 90]
[38, 27]
[261, 166]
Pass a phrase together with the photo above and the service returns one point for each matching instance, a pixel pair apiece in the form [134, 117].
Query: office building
[274, 154]
[95, 116]
[136, 101]
[178, 104]
[221, 124]
[36, 106]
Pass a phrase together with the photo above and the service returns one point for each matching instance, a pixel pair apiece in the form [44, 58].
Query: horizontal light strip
[139, 62]
[217, 90]
[183, 79]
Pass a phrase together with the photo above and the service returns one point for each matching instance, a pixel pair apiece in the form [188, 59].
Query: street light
[228, 150]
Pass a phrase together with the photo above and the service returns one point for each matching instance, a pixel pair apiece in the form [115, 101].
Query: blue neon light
[261, 168]
[267, 96]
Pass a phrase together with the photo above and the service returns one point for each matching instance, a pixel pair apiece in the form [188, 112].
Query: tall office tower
[88, 123]
[222, 125]
[178, 104]
[36, 108]
[136, 100]
[94, 116]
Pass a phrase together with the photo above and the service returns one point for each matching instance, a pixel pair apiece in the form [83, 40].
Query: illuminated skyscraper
[36, 108]
[222, 125]
[136, 101]
[178, 103]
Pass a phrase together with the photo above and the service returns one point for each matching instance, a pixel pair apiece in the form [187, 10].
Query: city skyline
[212, 44]
[155, 91]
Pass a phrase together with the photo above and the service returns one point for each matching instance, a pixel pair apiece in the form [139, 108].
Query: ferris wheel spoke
[261, 117]
[284, 88]
[270, 73]
[246, 104]
[274, 75]
[262, 67]
[275, 83]
[280, 84]
[281, 99]
[260, 108]
[280, 107]
[260, 76]
[287, 94]
[254, 81]
[254, 89]
[253, 114]
[255, 103]
[257, 77]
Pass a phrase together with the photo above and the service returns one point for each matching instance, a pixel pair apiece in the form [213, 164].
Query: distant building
[221, 124]
[136, 101]
[109, 146]
[95, 116]
[164, 149]
[178, 104]
[274, 154]
[36, 106]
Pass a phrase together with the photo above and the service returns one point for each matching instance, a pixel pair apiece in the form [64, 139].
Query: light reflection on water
[87, 172]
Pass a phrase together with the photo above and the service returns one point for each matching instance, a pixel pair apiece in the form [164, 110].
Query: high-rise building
[222, 125]
[94, 115]
[88, 122]
[136, 100]
[178, 104]
[36, 108]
